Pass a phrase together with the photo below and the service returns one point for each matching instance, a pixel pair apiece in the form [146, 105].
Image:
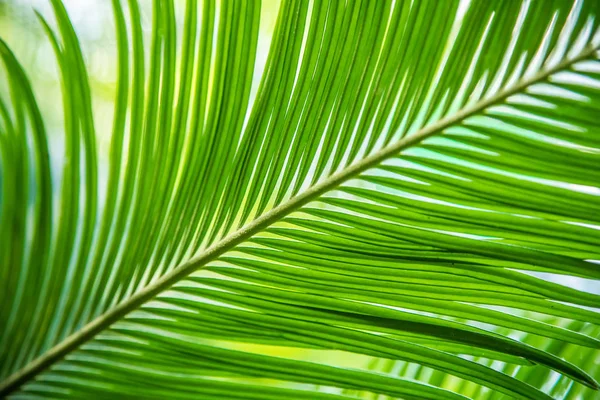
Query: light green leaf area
[406, 205]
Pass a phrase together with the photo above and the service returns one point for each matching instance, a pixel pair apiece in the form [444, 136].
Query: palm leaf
[404, 187]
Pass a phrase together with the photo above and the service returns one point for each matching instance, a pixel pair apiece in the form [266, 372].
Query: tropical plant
[398, 210]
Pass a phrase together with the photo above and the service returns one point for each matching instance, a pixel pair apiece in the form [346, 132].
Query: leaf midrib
[56, 353]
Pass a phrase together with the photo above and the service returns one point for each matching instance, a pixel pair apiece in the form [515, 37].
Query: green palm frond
[408, 188]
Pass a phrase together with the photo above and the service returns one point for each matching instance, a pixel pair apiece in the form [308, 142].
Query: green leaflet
[373, 214]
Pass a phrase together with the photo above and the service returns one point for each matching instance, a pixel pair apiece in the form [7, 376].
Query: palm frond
[399, 187]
